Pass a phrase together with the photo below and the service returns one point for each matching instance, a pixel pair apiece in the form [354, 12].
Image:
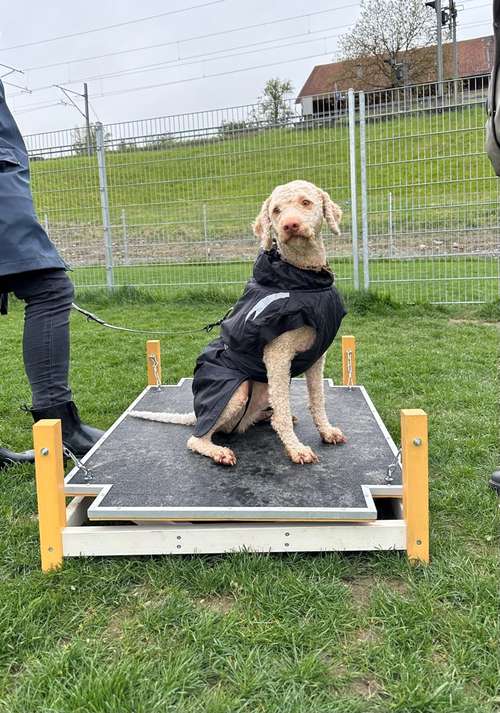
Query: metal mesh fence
[65, 185]
[182, 192]
[168, 202]
[433, 201]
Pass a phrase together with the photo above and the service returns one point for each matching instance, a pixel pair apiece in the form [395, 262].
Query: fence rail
[168, 202]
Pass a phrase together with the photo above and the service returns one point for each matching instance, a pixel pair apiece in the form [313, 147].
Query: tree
[387, 45]
[80, 147]
[273, 107]
[233, 129]
[160, 142]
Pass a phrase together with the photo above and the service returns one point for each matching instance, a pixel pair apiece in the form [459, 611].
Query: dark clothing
[48, 295]
[279, 298]
[33, 270]
[24, 244]
[493, 124]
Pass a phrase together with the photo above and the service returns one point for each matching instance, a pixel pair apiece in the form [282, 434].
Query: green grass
[458, 279]
[434, 164]
[190, 196]
[363, 633]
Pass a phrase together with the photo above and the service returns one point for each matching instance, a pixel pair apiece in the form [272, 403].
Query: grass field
[434, 161]
[433, 204]
[193, 202]
[440, 280]
[363, 633]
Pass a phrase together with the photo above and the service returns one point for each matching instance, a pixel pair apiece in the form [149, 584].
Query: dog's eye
[276, 210]
[306, 202]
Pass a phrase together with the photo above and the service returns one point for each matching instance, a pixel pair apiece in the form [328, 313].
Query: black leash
[93, 318]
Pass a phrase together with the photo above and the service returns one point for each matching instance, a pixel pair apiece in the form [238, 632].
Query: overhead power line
[208, 57]
[191, 79]
[207, 76]
[112, 27]
[40, 107]
[475, 7]
[195, 38]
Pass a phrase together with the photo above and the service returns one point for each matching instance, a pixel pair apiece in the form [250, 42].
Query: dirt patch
[219, 605]
[365, 636]
[365, 688]
[115, 627]
[361, 589]
[399, 586]
[475, 322]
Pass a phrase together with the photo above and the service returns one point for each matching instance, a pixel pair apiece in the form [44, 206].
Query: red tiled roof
[475, 57]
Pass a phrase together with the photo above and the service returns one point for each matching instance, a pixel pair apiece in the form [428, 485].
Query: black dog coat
[278, 298]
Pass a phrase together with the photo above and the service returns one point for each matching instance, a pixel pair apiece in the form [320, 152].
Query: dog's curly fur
[292, 216]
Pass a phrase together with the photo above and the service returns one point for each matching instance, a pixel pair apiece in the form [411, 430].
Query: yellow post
[415, 462]
[348, 360]
[49, 473]
[153, 362]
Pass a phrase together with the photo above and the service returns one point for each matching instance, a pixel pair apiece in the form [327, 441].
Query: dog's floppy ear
[262, 226]
[332, 213]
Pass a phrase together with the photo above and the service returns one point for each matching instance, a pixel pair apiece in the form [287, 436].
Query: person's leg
[48, 295]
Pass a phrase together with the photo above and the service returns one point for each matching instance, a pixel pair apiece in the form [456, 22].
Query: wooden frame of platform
[64, 531]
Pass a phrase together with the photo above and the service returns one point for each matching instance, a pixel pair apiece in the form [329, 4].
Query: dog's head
[294, 214]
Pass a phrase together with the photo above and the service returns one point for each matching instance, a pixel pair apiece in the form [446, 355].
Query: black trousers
[48, 295]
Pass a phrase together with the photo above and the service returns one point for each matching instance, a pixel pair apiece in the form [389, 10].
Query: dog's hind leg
[226, 422]
[258, 409]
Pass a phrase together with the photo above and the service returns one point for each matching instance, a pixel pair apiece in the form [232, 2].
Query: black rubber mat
[153, 475]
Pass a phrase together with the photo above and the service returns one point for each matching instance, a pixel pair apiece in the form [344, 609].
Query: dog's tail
[184, 419]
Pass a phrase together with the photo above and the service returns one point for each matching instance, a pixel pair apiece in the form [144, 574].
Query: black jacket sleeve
[493, 123]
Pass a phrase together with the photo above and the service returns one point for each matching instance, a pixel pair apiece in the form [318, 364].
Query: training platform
[149, 494]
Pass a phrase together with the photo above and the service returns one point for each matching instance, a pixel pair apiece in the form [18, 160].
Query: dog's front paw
[224, 456]
[302, 454]
[332, 435]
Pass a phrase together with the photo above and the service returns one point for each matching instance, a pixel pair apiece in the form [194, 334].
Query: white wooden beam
[102, 540]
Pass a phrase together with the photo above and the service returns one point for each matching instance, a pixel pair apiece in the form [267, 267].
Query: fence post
[205, 232]
[364, 189]
[125, 236]
[391, 227]
[103, 189]
[354, 201]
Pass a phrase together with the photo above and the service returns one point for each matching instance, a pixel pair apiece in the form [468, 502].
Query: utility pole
[439, 47]
[453, 23]
[436, 5]
[87, 117]
[86, 114]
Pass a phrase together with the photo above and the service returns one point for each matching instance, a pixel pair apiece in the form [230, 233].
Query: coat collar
[270, 270]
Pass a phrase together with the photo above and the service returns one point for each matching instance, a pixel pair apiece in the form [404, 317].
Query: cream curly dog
[244, 376]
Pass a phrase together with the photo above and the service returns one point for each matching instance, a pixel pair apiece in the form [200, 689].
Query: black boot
[77, 436]
[8, 458]
[495, 481]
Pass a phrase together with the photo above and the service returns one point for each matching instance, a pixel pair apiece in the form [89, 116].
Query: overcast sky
[305, 41]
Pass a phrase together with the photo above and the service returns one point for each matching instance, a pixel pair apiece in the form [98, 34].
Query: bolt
[287, 534]
[417, 441]
[44, 451]
[179, 537]
[178, 547]
[287, 544]
[419, 542]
